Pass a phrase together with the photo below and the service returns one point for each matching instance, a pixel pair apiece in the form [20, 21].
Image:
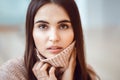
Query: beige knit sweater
[61, 59]
[13, 70]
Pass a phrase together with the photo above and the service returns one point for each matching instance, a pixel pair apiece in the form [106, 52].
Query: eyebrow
[62, 21]
[41, 21]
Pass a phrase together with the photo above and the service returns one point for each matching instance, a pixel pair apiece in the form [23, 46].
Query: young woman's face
[52, 30]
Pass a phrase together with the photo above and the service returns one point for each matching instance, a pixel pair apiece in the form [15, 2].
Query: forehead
[51, 11]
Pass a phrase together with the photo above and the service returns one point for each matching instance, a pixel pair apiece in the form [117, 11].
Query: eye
[63, 26]
[43, 27]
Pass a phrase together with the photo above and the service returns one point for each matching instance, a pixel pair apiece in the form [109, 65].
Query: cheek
[68, 37]
[38, 39]
[71, 37]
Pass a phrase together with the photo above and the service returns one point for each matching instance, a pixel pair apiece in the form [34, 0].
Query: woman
[53, 37]
[47, 19]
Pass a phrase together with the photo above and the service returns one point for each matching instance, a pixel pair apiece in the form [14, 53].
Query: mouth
[54, 49]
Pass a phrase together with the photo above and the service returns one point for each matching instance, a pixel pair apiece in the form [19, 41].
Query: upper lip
[54, 47]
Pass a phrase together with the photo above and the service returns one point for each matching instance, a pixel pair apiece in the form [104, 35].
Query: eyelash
[61, 26]
[43, 26]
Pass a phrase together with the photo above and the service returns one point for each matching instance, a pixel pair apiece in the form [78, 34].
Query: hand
[40, 71]
[69, 72]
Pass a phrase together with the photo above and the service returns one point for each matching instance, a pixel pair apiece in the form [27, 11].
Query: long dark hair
[70, 7]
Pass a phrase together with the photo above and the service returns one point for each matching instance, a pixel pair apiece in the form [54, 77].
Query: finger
[40, 70]
[52, 73]
[73, 59]
[44, 67]
[36, 67]
[40, 64]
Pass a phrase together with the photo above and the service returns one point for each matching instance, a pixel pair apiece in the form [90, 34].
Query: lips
[54, 49]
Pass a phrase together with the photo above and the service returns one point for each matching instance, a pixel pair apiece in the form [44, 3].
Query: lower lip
[55, 51]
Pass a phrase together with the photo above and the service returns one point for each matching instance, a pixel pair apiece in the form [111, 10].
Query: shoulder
[13, 69]
[91, 72]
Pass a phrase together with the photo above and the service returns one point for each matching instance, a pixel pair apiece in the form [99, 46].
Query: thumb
[72, 62]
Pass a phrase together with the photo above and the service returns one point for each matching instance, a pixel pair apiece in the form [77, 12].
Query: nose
[54, 36]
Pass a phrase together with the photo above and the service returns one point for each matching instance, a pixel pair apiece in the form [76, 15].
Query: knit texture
[13, 70]
[61, 59]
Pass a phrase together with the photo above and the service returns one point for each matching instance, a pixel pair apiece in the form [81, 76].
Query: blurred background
[101, 26]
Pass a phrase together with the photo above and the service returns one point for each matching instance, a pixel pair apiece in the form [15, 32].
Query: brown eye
[63, 26]
[43, 27]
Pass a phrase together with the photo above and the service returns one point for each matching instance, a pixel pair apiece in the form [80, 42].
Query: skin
[52, 33]
[52, 28]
